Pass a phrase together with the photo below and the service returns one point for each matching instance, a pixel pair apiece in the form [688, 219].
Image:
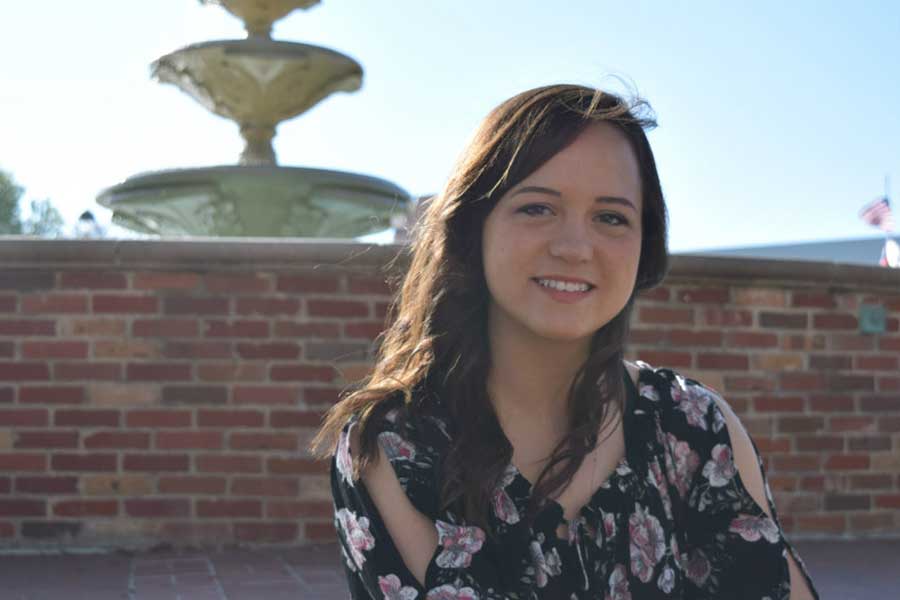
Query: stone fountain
[257, 82]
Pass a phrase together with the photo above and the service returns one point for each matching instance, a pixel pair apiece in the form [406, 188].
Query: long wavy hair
[435, 347]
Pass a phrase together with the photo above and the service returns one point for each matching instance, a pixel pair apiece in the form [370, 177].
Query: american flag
[878, 214]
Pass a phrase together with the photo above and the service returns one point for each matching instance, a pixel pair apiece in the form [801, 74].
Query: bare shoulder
[633, 370]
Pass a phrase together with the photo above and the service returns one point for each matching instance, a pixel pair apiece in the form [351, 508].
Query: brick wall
[158, 392]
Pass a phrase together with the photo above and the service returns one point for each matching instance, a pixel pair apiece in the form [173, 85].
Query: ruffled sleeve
[733, 549]
[461, 566]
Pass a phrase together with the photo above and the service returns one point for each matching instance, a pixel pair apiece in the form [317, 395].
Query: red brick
[158, 418]
[30, 327]
[197, 350]
[7, 530]
[86, 508]
[93, 279]
[369, 331]
[851, 423]
[228, 508]
[783, 320]
[52, 350]
[814, 483]
[852, 341]
[233, 371]
[812, 300]
[264, 486]
[891, 344]
[296, 466]
[847, 462]
[46, 485]
[359, 284]
[319, 532]
[337, 308]
[83, 462]
[835, 321]
[124, 304]
[46, 439]
[19, 461]
[165, 328]
[267, 306]
[324, 284]
[665, 315]
[669, 358]
[23, 417]
[295, 418]
[845, 502]
[795, 462]
[833, 523]
[878, 481]
[180, 440]
[876, 363]
[117, 439]
[158, 372]
[196, 305]
[880, 403]
[236, 329]
[741, 383]
[266, 395]
[268, 351]
[801, 381]
[768, 445]
[229, 418]
[195, 394]
[806, 424]
[23, 508]
[157, 507]
[302, 373]
[266, 532]
[648, 337]
[870, 443]
[831, 404]
[888, 424]
[850, 382]
[86, 418]
[237, 283]
[228, 463]
[156, 462]
[24, 371]
[690, 337]
[830, 362]
[192, 485]
[818, 443]
[887, 501]
[734, 362]
[157, 280]
[316, 397]
[311, 330]
[5, 485]
[750, 339]
[778, 403]
[263, 441]
[284, 509]
[83, 371]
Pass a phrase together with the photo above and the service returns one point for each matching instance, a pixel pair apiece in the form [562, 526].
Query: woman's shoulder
[670, 390]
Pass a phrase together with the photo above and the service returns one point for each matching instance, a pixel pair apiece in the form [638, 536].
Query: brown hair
[428, 352]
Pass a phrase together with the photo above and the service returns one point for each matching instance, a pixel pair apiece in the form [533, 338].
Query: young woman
[502, 447]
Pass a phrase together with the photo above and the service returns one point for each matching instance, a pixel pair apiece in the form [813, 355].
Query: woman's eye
[533, 209]
[615, 219]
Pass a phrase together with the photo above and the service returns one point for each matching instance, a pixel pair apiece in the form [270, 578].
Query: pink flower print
[391, 588]
[395, 447]
[618, 584]
[459, 544]
[545, 565]
[753, 528]
[648, 391]
[609, 525]
[503, 505]
[666, 580]
[681, 463]
[648, 544]
[450, 592]
[698, 567]
[657, 480]
[342, 457]
[695, 404]
[356, 532]
[719, 469]
[677, 392]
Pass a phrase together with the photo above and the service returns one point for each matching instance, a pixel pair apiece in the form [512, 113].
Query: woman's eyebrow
[545, 190]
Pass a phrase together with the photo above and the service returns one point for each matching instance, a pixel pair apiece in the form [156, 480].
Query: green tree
[44, 220]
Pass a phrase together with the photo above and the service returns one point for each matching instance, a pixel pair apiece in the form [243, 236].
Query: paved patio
[842, 571]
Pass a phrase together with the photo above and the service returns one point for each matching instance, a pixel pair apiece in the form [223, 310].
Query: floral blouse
[674, 520]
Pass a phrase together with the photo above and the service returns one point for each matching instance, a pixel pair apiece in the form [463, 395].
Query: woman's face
[576, 219]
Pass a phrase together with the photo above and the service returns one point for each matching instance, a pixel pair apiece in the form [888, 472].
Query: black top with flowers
[674, 520]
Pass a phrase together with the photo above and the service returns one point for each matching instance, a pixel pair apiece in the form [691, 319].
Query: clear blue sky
[777, 120]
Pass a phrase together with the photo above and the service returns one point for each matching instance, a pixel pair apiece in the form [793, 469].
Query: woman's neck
[530, 377]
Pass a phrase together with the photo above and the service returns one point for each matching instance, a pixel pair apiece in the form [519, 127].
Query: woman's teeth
[564, 286]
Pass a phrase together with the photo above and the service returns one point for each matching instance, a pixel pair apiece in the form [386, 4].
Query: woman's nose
[572, 243]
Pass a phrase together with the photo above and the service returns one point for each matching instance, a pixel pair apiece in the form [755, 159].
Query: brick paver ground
[842, 571]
